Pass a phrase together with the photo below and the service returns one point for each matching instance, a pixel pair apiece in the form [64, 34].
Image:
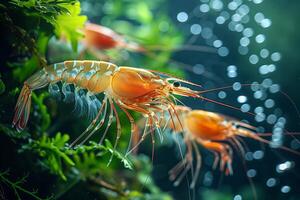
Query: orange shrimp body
[130, 88]
[214, 132]
[103, 38]
[206, 125]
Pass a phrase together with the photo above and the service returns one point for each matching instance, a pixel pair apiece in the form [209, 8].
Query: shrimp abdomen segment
[91, 75]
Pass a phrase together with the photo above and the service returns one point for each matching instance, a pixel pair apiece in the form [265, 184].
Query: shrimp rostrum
[140, 90]
[215, 132]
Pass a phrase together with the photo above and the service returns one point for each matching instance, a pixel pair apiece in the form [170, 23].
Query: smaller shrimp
[103, 38]
[211, 130]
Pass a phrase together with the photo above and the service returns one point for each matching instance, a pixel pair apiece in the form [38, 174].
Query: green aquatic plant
[17, 187]
[42, 150]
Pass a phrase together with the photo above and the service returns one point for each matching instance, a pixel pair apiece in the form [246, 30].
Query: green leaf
[69, 24]
[13, 133]
[2, 87]
[39, 101]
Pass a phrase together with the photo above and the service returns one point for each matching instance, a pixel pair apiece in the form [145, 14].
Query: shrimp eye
[176, 84]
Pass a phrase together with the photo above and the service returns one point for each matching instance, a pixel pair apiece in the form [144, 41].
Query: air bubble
[182, 17]
[245, 107]
[223, 51]
[286, 189]
[242, 99]
[204, 8]
[196, 29]
[276, 56]
[264, 53]
[253, 59]
[217, 43]
[271, 182]
[260, 38]
[222, 95]
[251, 173]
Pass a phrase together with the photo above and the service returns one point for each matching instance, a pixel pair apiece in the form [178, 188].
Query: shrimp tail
[22, 109]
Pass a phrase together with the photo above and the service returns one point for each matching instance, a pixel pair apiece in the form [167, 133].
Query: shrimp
[211, 130]
[140, 90]
[102, 38]
[98, 38]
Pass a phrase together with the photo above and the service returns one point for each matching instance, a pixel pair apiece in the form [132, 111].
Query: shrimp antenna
[250, 84]
[223, 104]
[174, 78]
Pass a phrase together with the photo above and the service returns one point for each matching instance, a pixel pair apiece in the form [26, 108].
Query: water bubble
[286, 189]
[236, 17]
[223, 51]
[269, 103]
[251, 173]
[225, 14]
[249, 156]
[265, 23]
[271, 119]
[260, 117]
[204, 8]
[216, 5]
[260, 38]
[244, 41]
[231, 68]
[242, 99]
[275, 56]
[253, 59]
[243, 50]
[245, 107]
[274, 88]
[295, 144]
[258, 17]
[239, 27]
[182, 17]
[222, 95]
[236, 86]
[217, 43]
[237, 197]
[208, 178]
[258, 154]
[264, 53]
[231, 74]
[257, 1]
[206, 33]
[196, 29]
[198, 69]
[248, 32]
[232, 5]
[243, 9]
[220, 20]
[282, 167]
[271, 182]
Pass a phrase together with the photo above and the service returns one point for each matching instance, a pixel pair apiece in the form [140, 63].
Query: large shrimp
[140, 90]
[215, 132]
